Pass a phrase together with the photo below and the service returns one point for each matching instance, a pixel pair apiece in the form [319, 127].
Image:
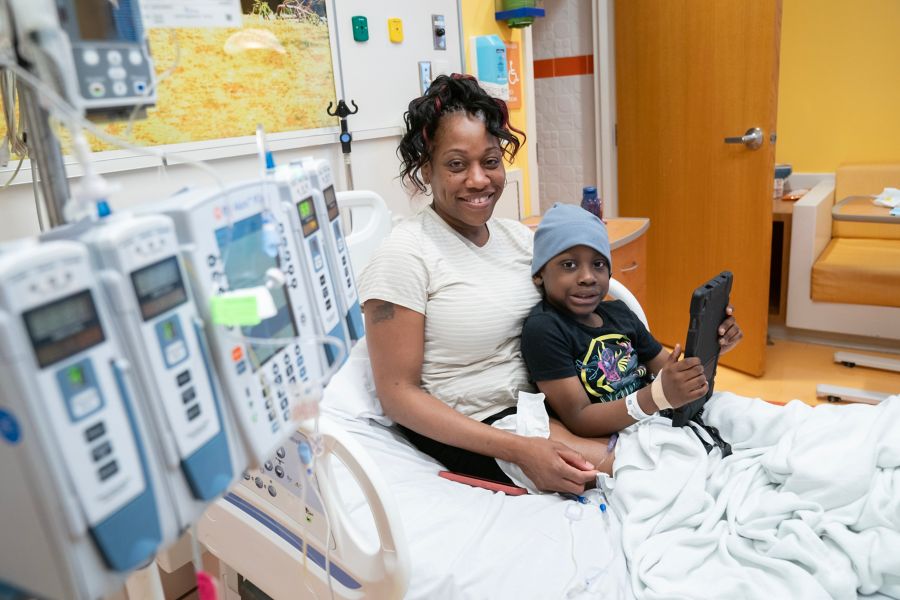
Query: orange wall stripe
[564, 66]
[543, 68]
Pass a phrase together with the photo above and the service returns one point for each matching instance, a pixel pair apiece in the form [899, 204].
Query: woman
[446, 295]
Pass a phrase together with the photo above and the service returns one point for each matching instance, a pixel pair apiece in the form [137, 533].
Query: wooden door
[690, 73]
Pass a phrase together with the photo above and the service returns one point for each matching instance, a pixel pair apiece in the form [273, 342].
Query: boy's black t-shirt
[609, 360]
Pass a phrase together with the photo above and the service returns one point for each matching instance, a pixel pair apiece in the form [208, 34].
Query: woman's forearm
[416, 409]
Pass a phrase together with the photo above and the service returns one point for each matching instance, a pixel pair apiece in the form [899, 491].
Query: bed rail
[278, 542]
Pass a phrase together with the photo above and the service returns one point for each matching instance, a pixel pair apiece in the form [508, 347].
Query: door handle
[753, 139]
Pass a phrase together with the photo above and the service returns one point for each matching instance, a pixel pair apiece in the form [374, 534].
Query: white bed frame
[267, 541]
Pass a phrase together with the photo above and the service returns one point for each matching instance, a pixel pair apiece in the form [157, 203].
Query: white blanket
[808, 506]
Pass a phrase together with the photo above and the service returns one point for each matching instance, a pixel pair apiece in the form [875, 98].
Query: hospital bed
[396, 528]
[399, 530]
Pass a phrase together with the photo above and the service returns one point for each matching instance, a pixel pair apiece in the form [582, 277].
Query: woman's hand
[729, 331]
[683, 381]
[554, 467]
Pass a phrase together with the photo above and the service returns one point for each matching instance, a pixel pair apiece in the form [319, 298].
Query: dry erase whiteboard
[380, 75]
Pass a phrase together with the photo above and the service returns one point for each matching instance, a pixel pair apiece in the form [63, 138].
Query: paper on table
[890, 197]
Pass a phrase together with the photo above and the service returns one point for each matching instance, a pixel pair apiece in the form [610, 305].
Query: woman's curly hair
[449, 94]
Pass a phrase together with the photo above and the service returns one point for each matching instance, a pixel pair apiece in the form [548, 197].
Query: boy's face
[575, 280]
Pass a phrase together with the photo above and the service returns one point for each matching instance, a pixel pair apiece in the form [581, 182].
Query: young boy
[592, 358]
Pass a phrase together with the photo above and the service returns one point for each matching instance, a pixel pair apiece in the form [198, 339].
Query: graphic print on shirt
[610, 368]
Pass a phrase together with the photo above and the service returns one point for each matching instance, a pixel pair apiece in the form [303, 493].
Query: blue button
[9, 428]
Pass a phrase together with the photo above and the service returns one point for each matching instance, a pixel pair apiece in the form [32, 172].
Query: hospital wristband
[634, 408]
[659, 396]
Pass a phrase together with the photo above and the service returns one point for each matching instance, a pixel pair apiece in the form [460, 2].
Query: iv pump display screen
[246, 264]
[159, 287]
[308, 218]
[100, 20]
[63, 327]
[331, 203]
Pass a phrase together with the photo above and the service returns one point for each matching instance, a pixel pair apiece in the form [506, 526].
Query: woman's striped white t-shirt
[474, 300]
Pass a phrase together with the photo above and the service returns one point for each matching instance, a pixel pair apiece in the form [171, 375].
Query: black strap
[714, 434]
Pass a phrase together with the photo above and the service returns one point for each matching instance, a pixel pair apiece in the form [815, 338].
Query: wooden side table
[779, 271]
[628, 242]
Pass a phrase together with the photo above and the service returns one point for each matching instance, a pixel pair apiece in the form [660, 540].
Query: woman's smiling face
[466, 174]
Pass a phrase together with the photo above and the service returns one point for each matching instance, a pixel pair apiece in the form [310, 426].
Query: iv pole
[48, 169]
[343, 111]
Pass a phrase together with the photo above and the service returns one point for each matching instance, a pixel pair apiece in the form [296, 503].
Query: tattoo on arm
[383, 312]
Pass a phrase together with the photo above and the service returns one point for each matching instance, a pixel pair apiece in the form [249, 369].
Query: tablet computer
[708, 305]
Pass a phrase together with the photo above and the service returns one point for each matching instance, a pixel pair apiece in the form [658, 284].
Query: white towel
[530, 420]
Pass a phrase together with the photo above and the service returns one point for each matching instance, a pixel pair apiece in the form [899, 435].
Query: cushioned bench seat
[862, 229]
[858, 271]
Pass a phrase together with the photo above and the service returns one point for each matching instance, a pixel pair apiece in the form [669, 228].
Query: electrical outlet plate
[425, 77]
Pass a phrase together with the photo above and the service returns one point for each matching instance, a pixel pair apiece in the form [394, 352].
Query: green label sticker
[234, 310]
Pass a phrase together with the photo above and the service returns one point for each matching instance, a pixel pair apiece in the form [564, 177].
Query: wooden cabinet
[628, 242]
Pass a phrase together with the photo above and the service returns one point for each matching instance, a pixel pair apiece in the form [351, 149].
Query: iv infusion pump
[229, 241]
[137, 261]
[309, 227]
[112, 62]
[94, 51]
[83, 499]
[322, 183]
[115, 427]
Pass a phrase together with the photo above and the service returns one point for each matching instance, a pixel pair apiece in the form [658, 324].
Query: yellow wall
[478, 19]
[839, 86]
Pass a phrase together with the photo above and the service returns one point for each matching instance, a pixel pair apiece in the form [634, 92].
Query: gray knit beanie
[565, 226]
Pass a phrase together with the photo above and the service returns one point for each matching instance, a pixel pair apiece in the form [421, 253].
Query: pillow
[351, 391]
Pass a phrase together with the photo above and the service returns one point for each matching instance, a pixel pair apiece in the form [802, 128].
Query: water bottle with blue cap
[591, 202]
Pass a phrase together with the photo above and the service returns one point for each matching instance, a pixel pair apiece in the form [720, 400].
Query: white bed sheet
[471, 543]
[468, 543]
[806, 507]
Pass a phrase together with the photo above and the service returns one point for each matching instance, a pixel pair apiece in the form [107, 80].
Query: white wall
[567, 158]
[376, 129]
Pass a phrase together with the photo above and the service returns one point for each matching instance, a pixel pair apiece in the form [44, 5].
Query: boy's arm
[683, 382]
[583, 418]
